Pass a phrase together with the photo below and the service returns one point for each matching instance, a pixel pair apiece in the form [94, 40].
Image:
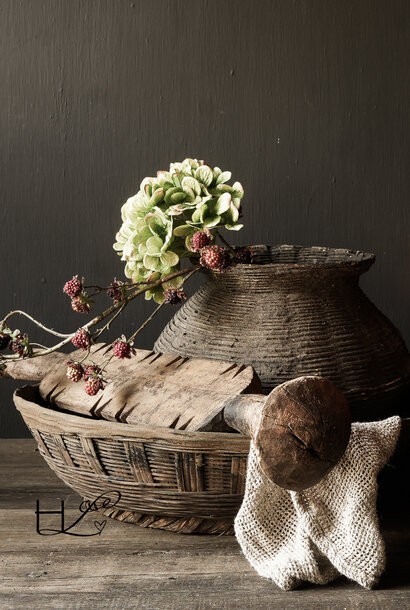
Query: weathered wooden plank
[150, 388]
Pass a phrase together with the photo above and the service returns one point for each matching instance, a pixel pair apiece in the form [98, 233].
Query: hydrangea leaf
[182, 230]
[157, 196]
[152, 262]
[223, 203]
[176, 210]
[190, 195]
[178, 197]
[154, 245]
[197, 215]
[204, 174]
[223, 177]
[169, 258]
[158, 296]
[212, 221]
[222, 188]
[170, 192]
[234, 213]
[233, 227]
[216, 172]
[238, 190]
[192, 184]
[176, 179]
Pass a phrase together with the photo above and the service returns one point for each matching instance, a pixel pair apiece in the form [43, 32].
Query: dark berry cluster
[73, 287]
[80, 301]
[174, 297]
[122, 349]
[200, 240]
[216, 258]
[92, 370]
[82, 339]
[74, 371]
[93, 385]
[92, 375]
[243, 256]
[116, 291]
[21, 345]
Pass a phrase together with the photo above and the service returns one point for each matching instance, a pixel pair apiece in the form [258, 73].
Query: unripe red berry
[81, 303]
[74, 371]
[92, 370]
[82, 339]
[73, 287]
[215, 257]
[122, 349]
[93, 385]
[200, 240]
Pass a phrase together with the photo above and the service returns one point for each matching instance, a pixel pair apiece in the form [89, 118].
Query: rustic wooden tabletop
[130, 567]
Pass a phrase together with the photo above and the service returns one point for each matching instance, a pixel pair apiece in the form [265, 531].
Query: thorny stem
[223, 240]
[23, 313]
[107, 326]
[84, 357]
[104, 314]
[126, 285]
[147, 321]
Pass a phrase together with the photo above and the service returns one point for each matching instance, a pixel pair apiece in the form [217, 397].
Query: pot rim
[332, 258]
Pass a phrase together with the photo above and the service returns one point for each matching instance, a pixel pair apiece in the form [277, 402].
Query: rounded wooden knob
[303, 431]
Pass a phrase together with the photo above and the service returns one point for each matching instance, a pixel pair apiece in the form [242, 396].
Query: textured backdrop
[307, 102]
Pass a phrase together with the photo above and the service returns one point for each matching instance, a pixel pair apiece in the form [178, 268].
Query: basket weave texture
[298, 311]
[186, 482]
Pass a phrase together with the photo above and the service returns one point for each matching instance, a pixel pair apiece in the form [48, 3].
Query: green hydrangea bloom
[159, 221]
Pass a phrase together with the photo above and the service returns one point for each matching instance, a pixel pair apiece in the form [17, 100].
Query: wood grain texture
[130, 567]
[149, 388]
[303, 432]
[306, 102]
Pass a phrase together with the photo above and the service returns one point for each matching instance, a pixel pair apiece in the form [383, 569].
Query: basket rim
[45, 419]
[353, 260]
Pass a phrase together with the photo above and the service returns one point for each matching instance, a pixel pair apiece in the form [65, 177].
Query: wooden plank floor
[131, 567]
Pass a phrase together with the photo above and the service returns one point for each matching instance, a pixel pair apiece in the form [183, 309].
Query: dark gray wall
[305, 101]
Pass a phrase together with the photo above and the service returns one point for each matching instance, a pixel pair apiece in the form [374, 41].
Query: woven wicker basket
[180, 481]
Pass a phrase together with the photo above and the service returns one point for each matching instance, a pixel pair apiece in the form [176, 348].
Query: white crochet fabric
[324, 531]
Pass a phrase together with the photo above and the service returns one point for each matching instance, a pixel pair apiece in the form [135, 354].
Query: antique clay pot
[299, 311]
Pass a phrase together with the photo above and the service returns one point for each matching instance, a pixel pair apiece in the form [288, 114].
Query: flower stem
[147, 321]
[188, 271]
[223, 240]
[39, 324]
[107, 326]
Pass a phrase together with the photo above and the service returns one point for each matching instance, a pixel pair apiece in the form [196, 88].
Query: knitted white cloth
[324, 531]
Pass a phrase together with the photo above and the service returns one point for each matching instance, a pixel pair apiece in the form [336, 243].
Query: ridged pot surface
[297, 311]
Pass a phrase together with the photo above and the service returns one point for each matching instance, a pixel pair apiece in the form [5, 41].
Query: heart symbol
[100, 525]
